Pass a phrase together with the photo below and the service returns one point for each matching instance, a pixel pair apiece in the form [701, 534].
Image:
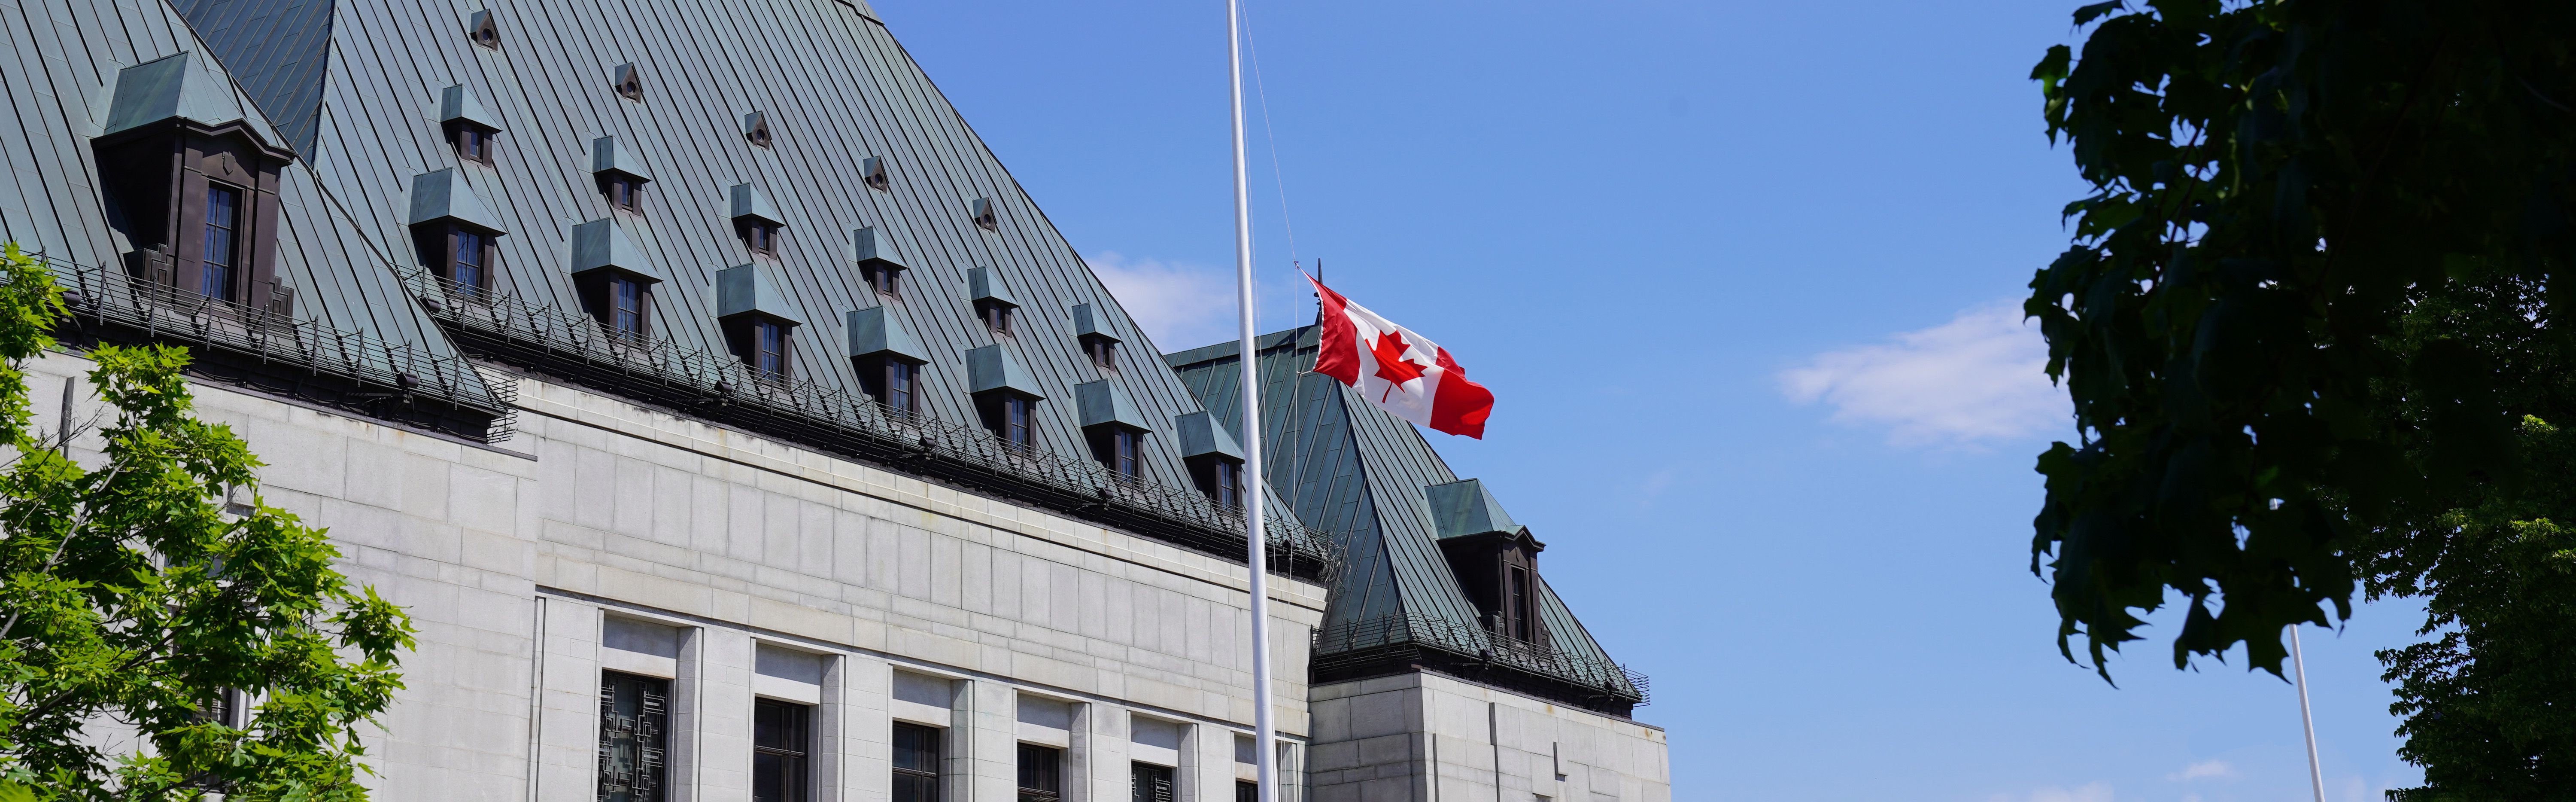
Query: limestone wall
[1431, 738]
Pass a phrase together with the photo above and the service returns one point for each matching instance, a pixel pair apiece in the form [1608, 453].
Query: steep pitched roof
[1351, 469]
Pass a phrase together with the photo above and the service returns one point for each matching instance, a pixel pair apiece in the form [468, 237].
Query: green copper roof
[457, 104]
[875, 245]
[1464, 508]
[993, 368]
[985, 284]
[608, 155]
[179, 86]
[603, 245]
[747, 289]
[1103, 403]
[1201, 434]
[444, 195]
[749, 201]
[875, 330]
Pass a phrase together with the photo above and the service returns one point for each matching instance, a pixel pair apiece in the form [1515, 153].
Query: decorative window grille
[634, 724]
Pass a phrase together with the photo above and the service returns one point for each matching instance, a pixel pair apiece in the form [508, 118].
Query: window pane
[916, 748]
[1152, 783]
[899, 384]
[468, 267]
[223, 227]
[633, 715]
[1041, 772]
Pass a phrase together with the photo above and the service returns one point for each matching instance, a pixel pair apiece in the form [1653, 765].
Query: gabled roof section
[876, 330]
[457, 104]
[873, 245]
[747, 289]
[749, 201]
[992, 368]
[181, 86]
[445, 196]
[1202, 435]
[280, 50]
[603, 245]
[1104, 404]
[1370, 478]
[609, 155]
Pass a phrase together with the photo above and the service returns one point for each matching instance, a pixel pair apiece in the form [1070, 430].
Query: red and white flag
[1404, 374]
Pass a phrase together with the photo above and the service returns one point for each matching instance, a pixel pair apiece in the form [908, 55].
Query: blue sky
[1734, 271]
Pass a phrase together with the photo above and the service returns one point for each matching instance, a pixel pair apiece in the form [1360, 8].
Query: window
[470, 262]
[1008, 416]
[473, 142]
[1152, 783]
[1041, 773]
[1103, 351]
[1221, 479]
[780, 771]
[997, 316]
[872, 170]
[1116, 446]
[626, 193]
[881, 277]
[768, 357]
[634, 715]
[761, 236]
[626, 307]
[892, 382]
[916, 763]
[225, 707]
[1247, 791]
[223, 242]
[1516, 601]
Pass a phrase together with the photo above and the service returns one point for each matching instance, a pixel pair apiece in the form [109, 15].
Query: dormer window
[981, 211]
[1494, 559]
[621, 176]
[625, 193]
[755, 128]
[483, 30]
[872, 171]
[627, 81]
[1117, 448]
[757, 320]
[1006, 395]
[1221, 479]
[473, 144]
[457, 236]
[997, 317]
[885, 279]
[1214, 461]
[893, 381]
[1091, 328]
[993, 301]
[223, 242]
[614, 279]
[756, 220]
[761, 237]
[1113, 425]
[626, 308]
[470, 127]
[196, 201]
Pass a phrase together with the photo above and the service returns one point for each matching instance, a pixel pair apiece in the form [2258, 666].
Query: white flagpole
[2299, 663]
[1265, 751]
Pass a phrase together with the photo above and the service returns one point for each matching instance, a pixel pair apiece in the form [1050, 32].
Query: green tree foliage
[2309, 324]
[139, 588]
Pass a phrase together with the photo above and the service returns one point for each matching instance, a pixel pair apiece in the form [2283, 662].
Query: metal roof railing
[258, 336]
[720, 387]
[1354, 642]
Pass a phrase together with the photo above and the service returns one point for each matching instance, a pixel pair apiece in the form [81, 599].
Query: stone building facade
[734, 428]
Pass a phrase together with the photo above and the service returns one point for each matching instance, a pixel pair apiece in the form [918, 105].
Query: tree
[2309, 325]
[140, 591]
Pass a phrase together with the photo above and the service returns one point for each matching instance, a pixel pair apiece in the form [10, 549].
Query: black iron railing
[1353, 642]
[721, 387]
[248, 335]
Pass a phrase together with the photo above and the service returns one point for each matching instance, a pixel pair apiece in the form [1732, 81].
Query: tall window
[626, 307]
[769, 349]
[780, 769]
[996, 316]
[1247, 791]
[916, 763]
[223, 241]
[1152, 783]
[470, 267]
[1516, 598]
[473, 143]
[634, 715]
[1041, 773]
[1220, 478]
[892, 382]
[1016, 429]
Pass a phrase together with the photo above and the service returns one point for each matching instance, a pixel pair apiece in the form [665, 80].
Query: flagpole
[1264, 749]
[2299, 663]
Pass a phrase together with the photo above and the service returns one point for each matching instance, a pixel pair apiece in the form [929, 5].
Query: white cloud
[1178, 305]
[2089, 792]
[1978, 378]
[2206, 769]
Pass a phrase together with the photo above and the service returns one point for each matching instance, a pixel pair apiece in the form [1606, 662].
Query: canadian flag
[1404, 374]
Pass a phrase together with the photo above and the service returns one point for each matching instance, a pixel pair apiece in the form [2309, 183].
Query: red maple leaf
[1391, 364]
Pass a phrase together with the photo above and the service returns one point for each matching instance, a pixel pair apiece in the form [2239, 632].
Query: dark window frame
[624, 193]
[1010, 416]
[917, 763]
[1041, 773]
[646, 733]
[886, 280]
[782, 751]
[1147, 782]
[472, 142]
[743, 334]
[998, 317]
[1121, 449]
[1218, 477]
[217, 279]
[894, 382]
[1102, 351]
[760, 236]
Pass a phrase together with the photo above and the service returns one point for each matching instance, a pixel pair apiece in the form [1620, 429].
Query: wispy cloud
[2088, 792]
[2206, 769]
[1975, 380]
[1179, 305]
